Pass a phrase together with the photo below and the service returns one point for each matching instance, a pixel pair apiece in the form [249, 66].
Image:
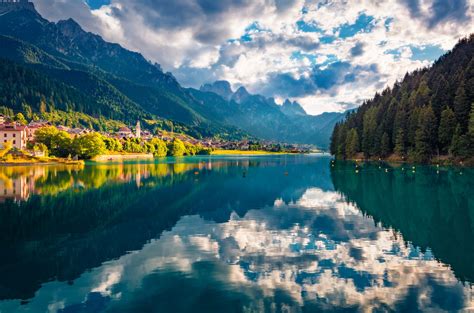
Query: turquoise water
[236, 234]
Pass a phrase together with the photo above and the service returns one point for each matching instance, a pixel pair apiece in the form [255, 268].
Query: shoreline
[140, 157]
[433, 162]
[249, 153]
[47, 163]
[122, 157]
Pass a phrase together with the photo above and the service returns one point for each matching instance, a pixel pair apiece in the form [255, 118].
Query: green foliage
[176, 148]
[400, 148]
[425, 134]
[385, 145]
[447, 125]
[41, 147]
[134, 145]
[190, 149]
[459, 144]
[57, 142]
[352, 143]
[20, 118]
[462, 105]
[89, 145]
[418, 116]
[6, 147]
[471, 120]
[112, 144]
[161, 150]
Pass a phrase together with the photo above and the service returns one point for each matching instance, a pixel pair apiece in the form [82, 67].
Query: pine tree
[471, 120]
[369, 129]
[446, 129]
[424, 135]
[400, 148]
[385, 145]
[459, 143]
[462, 107]
[352, 143]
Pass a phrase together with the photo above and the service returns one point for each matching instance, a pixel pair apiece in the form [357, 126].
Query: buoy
[357, 171]
[386, 170]
[286, 173]
[196, 173]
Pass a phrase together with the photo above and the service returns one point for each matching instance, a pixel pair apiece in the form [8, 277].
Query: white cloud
[191, 38]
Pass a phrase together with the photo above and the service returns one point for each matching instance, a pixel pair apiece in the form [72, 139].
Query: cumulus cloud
[321, 53]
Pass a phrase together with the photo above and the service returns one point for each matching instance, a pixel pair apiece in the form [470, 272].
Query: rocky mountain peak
[241, 95]
[292, 108]
[220, 87]
[70, 28]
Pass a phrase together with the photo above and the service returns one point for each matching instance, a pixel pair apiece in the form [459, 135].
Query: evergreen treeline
[429, 113]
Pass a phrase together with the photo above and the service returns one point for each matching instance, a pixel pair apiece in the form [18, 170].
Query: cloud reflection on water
[319, 252]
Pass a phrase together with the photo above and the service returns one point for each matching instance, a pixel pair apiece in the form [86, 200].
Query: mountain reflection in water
[259, 234]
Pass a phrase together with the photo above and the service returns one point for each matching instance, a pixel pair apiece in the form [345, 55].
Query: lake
[283, 233]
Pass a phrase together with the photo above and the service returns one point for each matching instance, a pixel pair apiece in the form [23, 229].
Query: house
[124, 132]
[15, 133]
[17, 189]
[75, 132]
[33, 126]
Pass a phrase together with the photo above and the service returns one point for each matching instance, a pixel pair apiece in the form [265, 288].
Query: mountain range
[60, 68]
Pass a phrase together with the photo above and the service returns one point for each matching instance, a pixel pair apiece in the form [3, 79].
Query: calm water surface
[236, 234]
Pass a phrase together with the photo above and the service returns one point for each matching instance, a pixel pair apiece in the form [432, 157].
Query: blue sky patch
[362, 24]
[95, 4]
[308, 28]
[423, 53]
[430, 53]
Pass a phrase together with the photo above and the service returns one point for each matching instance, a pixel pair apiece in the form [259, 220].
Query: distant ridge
[11, 5]
[63, 67]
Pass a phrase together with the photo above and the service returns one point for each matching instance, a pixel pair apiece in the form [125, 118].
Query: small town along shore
[40, 142]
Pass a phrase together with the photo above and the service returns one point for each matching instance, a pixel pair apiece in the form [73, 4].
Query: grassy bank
[22, 161]
[244, 152]
[122, 156]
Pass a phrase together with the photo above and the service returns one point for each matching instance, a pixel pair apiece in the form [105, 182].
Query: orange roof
[14, 128]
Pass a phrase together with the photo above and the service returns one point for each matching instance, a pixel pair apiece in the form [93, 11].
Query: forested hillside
[60, 72]
[429, 114]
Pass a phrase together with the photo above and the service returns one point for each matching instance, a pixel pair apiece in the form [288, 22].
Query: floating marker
[196, 173]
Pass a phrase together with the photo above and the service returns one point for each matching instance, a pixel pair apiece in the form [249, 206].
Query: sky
[329, 56]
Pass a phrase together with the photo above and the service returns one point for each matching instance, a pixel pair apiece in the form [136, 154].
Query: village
[21, 135]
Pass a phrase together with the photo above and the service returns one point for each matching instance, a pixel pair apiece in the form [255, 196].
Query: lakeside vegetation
[427, 117]
[245, 152]
[60, 144]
